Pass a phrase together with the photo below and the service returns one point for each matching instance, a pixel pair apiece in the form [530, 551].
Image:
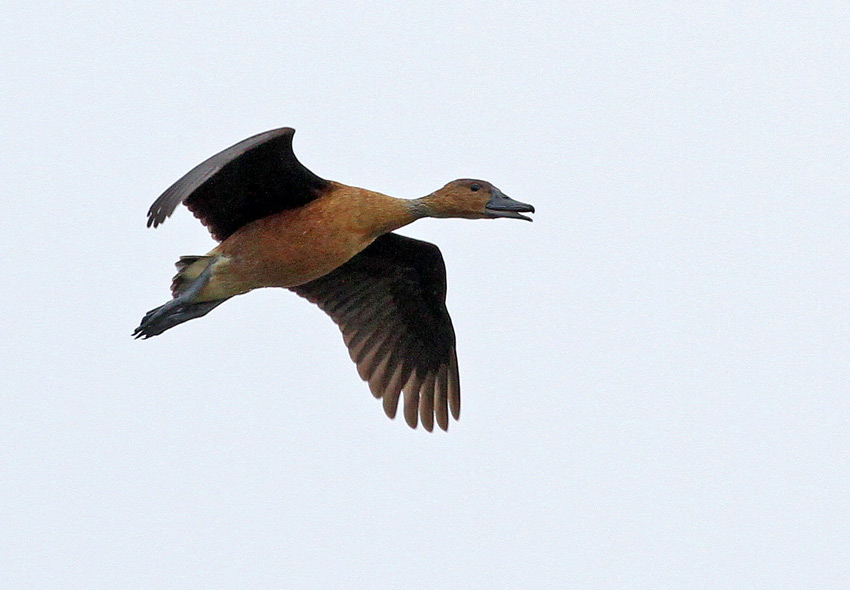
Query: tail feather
[189, 268]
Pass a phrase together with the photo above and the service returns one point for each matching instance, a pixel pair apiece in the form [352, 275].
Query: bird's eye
[475, 188]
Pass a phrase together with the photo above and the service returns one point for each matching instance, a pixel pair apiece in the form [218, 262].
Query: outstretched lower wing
[390, 303]
[257, 177]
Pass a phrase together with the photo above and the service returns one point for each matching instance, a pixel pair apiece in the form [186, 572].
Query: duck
[278, 224]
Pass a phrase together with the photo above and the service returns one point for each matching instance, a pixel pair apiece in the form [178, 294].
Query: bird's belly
[294, 267]
[279, 259]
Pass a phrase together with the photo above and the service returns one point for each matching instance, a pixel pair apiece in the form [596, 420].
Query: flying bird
[280, 225]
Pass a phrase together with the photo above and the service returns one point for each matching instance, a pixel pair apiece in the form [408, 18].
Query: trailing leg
[193, 274]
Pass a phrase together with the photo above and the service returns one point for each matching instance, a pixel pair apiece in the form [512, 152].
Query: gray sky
[655, 373]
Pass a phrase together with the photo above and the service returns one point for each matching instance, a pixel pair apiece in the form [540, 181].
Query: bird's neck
[433, 205]
[376, 214]
[371, 213]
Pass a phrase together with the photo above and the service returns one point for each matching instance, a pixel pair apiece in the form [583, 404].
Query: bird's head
[473, 199]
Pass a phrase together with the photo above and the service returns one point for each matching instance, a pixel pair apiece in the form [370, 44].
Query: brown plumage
[280, 225]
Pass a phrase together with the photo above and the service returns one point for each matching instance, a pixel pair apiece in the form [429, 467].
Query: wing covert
[254, 178]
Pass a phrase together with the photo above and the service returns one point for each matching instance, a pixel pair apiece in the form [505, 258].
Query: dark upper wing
[390, 303]
[255, 178]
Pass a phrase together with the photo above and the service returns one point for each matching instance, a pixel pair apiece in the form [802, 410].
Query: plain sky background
[655, 373]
